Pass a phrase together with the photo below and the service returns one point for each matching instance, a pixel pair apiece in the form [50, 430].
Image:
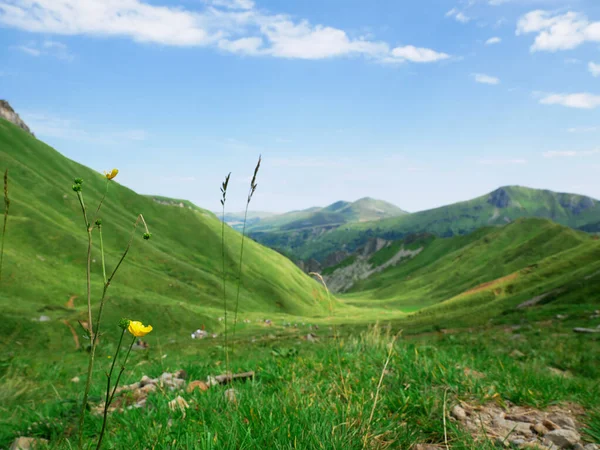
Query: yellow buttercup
[110, 175]
[138, 329]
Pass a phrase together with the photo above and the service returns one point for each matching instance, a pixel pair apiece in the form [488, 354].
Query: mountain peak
[7, 112]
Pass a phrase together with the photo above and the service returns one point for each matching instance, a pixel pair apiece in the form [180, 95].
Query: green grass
[299, 401]
[309, 399]
[172, 281]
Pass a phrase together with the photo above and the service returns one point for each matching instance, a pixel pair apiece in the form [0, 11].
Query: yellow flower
[110, 175]
[138, 329]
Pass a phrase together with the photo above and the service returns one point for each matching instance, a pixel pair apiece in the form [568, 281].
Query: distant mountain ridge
[498, 207]
[339, 213]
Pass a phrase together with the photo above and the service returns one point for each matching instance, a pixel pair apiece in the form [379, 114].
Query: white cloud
[46, 48]
[485, 79]
[459, 16]
[570, 153]
[493, 40]
[502, 162]
[582, 129]
[572, 61]
[558, 31]
[417, 55]
[594, 69]
[234, 26]
[29, 50]
[582, 100]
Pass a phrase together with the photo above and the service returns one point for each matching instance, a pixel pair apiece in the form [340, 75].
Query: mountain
[172, 280]
[499, 207]
[236, 219]
[318, 219]
[491, 272]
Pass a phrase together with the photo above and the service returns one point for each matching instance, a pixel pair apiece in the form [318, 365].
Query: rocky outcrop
[499, 198]
[8, 113]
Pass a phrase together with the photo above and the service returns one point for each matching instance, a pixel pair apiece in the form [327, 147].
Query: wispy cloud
[583, 100]
[46, 48]
[485, 79]
[458, 15]
[594, 69]
[234, 26]
[502, 162]
[583, 129]
[47, 125]
[493, 40]
[570, 153]
[557, 31]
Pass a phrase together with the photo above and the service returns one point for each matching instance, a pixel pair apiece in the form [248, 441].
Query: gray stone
[8, 113]
[563, 438]
[458, 413]
[27, 443]
[562, 420]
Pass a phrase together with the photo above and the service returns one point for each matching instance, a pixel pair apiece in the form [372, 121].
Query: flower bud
[77, 187]
[124, 323]
[147, 236]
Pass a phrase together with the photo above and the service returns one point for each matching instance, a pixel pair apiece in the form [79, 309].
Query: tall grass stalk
[6, 207]
[251, 191]
[93, 335]
[223, 199]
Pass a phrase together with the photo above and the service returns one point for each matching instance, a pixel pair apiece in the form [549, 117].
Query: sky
[419, 103]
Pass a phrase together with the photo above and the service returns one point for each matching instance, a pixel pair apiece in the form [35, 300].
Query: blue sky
[417, 103]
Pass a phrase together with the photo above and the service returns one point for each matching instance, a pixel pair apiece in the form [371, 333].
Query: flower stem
[106, 402]
[90, 325]
[109, 396]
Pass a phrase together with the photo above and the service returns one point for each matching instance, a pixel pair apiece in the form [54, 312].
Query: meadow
[390, 364]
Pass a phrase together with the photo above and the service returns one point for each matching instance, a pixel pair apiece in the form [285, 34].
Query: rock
[148, 388]
[197, 384]
[562, 420]
[550, 425]
[586, 330]
[75, 380]
[459, 413]
[231, 395]
[146, 380]
[44, 319]
[310, 337]
[563, 438]
[560, 373]
[8, 113]
[540, 429]
[561, 316]
[181, 374]
[591, 447]
[517, 442]
[27, 443]
[517, 354]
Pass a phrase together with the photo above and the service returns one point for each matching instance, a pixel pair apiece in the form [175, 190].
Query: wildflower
[110, 175]
[138, 329]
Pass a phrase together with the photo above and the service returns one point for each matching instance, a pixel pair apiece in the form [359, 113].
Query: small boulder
[27, 443]
[562, 420]
[563, 438]
[459, 413]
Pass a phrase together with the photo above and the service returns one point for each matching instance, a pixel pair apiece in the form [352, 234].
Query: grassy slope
[456, 219]
[173, 280]
[479, 276]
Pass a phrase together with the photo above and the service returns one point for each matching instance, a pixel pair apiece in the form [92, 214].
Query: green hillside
[173, 280]
[487, 273]
[236, 219]
[332, 216]
[499, 207]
